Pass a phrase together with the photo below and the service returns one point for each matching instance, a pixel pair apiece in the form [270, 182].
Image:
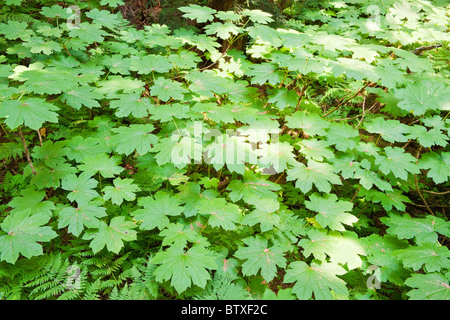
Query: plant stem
[27, 152]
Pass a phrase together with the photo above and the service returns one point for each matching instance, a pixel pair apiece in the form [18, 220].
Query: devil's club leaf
[317, 173]
[123, 189]
[135, 137]
[422, 229]
[433, 286]
[184, 268]
[220, 213]
[198, 13]
[259, 256]
[438, 166]
[157, 210]
[112, 236]
[23, 230]
[320, 280]
[32, 112]
[333, 213]
[102, 163]
[76, 219]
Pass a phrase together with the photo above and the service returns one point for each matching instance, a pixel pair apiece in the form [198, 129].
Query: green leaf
[438, 166]
[32, 112]
[427, 139]
[252, 189]
[432, 286]
[81, 188]
[417, 99]
[390, 130]
[82, 96]
[343, 136]
[15, 29]
[283, 98]
[136, 137]
[316, 173]
[112, 3]
[222, 30]
[258, 16]
[112, 236]
[166, 89]
[265, 213]
[42, 45]
[88, 32]
[265, 72]
[333, 213]
[311, 124]
[167, 112]
[421, 229]
[320, 280]
[206, 83]
[431, 256]
[177, 235]
[32, 199]
[277, 155]
[85, 215]
[123, 189]
[156, 210]
[23, 230]
[220, 213]
[387, 199]
[315, 149]
[184, 268]
[102, 163]
[259, 256]
[198, 13]
[151, 63]
[368, 177]
[398, 162]
[131, 104]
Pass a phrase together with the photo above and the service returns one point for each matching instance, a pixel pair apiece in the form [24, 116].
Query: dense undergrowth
[159, 163]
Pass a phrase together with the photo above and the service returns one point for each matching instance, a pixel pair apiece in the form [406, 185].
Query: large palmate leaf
[333, 213]
[101, 163]
[438, 166]
[390, 130]
[156, 210]
[184, 268]
[112, 236]
[319, 174]
[82, 187]
[22, 232]
[198, 13]
[431, 256]
[421, 229]
[123, 189]
[320, 280]
[398, 162]
[260, 256]
[85, 215]
[31, 112]
[136, 137]
[433, 286]
[220, 213]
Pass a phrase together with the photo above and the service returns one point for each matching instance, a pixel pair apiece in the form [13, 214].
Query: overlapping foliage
[162, 163]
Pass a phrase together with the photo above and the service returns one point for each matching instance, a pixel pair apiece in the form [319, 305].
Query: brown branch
[347, 100]
[300, 97]
[416, 182]
[27, 152]
[419, 50]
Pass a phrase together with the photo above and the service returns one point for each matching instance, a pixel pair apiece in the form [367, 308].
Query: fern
[222, 287]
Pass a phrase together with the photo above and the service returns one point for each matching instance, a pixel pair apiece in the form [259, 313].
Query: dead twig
[27, 152]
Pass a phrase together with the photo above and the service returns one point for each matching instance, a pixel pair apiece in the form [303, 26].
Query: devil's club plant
[181, 164]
